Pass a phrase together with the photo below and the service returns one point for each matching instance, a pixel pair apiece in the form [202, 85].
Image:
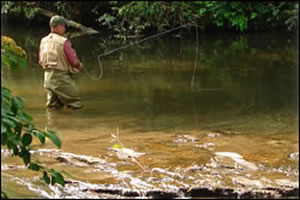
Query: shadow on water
[229, 120]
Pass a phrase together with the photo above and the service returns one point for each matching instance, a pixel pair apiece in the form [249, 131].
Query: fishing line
[196, 59]
[135, 43]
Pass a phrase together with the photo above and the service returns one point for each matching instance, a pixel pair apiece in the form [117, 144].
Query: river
[233, 103]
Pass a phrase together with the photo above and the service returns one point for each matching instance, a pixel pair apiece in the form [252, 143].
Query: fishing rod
[135, 43]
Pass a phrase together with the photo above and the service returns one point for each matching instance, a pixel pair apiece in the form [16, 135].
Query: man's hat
[56, 20]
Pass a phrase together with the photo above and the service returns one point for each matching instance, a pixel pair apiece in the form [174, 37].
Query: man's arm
[71, 55]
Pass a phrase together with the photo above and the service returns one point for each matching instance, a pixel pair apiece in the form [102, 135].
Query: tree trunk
[83, 29]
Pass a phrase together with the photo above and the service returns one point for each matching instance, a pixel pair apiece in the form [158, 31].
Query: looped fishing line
[135, 43]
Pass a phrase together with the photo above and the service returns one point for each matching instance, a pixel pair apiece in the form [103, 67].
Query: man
[60, 63]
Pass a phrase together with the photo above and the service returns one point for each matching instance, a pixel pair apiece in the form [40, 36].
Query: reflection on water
[243, 87]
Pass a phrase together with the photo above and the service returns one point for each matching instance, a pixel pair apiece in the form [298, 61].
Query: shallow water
[240, 96]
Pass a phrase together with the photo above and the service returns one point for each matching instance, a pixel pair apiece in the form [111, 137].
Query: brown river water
[234, 106]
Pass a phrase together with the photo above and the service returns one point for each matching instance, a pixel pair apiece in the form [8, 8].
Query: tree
[136, 17]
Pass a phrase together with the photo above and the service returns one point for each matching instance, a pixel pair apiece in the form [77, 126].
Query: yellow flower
[19, 51]
[12, 46]
[8, 41]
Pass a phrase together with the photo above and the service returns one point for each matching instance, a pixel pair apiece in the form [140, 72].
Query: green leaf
[3, 128]
[41, 138]
[58, 178]
[34, 167]
[253, 15]
[26, 156]
[15, 149]
[5, 109]
[234, 4]
[5, 92]
[25, 117]
[39, 135]
[15, 120]
[26, 139]
[202, 11]
[4, 195]
[9, 122]
[53, 137]
[5, 61]
[18, 130]
[3, 138]
[227, 14]
[53, 180]
[23, 62]
[10, 144]
[17, 102]
[13, 66]
[275, 12]
[14, 110]
[117, 146]
[46, 178]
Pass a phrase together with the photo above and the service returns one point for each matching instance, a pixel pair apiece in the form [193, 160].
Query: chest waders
[61, 89]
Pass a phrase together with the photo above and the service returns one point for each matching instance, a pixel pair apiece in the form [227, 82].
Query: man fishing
[60, 63]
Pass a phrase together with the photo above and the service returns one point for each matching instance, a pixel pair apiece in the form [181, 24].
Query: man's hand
[80, 66]
[77, 65]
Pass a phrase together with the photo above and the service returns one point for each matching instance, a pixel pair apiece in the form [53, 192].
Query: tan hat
[56, 20]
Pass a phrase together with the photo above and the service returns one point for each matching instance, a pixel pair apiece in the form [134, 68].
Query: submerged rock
[125, 153]
[208, 146]
[294, 156]
[245, 182]
[232, 155]
[185, 139]
[213, 134]
[237, 158]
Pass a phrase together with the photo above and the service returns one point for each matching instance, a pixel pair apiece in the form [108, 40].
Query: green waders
[61, 89]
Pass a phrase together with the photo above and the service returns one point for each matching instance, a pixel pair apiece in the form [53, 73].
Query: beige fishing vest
[52, 53]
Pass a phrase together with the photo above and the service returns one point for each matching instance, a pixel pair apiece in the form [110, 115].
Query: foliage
[17, 129]
[11, 54]
[27, 8]
[231, 14]
[136, 17]
[139, 15]
[3, 195]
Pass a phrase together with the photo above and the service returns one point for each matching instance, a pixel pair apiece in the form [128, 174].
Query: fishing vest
[52, 53]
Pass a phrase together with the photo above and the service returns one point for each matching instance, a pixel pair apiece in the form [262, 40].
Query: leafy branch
[17, 128]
